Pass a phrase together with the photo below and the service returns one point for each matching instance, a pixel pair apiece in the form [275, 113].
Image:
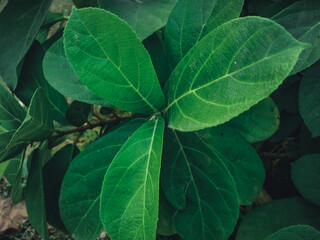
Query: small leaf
[53, 173]
[11, 113]
[61, 76]
[130, 191]
[81, 186]
[108, 57]
[37, 125]
[302, 20]
[145, 17]
[241, 159]
[35, 197]
[197, 182]
[13, 174]
[269, 218]
[309, 99]
[77, 113]
[210, 87]
[31, 78]
[191, 20]
[19, 24]
[305, 173]
[260, 122]
[297, 232]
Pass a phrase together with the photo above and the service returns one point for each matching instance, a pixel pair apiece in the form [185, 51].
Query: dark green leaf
[34, 194]
[241, 159]
[7, 150]
[3, 167]
[305, 173]
[145, 17]
[50, 19]
[19, 24]
[229, 71]
[53, 173]
[198, 183]
[13, 174]
[269, 218]
[61, 76]
[309, 99]
[37, 125]
[130, 191]
[191, 20]
[302, 20]
[11, 113]
[81, 187]
[77, 113]
[85, 3]
[31, 78]
[297, 232]
[258, 123]
[108, 57]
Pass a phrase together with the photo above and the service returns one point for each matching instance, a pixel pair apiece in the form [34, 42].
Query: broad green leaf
[191, 20]
[198, 183]
[305, 174]
[274, 8]
[38, 124]
[81, 186]
[108, 57]
[11, 113]
[61, 76]
[302, 20]
[269, 218]
[309, 99]
[35, 201]
[165, 225]
[31, 78]
[3, 167]
[7, 150]
[53, 173]
[145, 16]
[241, 159]
[78, 112]
[130, 191]
[13, 174]
[231, 69]
[297, 232]
[260, 122]
[19, 24]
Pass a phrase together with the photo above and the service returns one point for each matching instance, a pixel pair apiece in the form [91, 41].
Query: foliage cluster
[145, 118]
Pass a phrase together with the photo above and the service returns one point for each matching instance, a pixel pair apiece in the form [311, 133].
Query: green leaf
[13, 174]
[85, 3]
[37, 125]
[309, 99]
[305, 173]
[156, 48]
[3, 167]
[191, 20]
[241, 159]
[7, 150]
[165, 225]
[297, 232]
[198, 183]
[81, 186]
[130, 191]
[260, 122]
[19, 24]
[108, 57]
[302, 20]
[31, 78]
[229, 71]
[145, 17]
[61, 76]
[269, 218]
[53, 173]
[11, 113]
[77, 113]
[35, 201]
